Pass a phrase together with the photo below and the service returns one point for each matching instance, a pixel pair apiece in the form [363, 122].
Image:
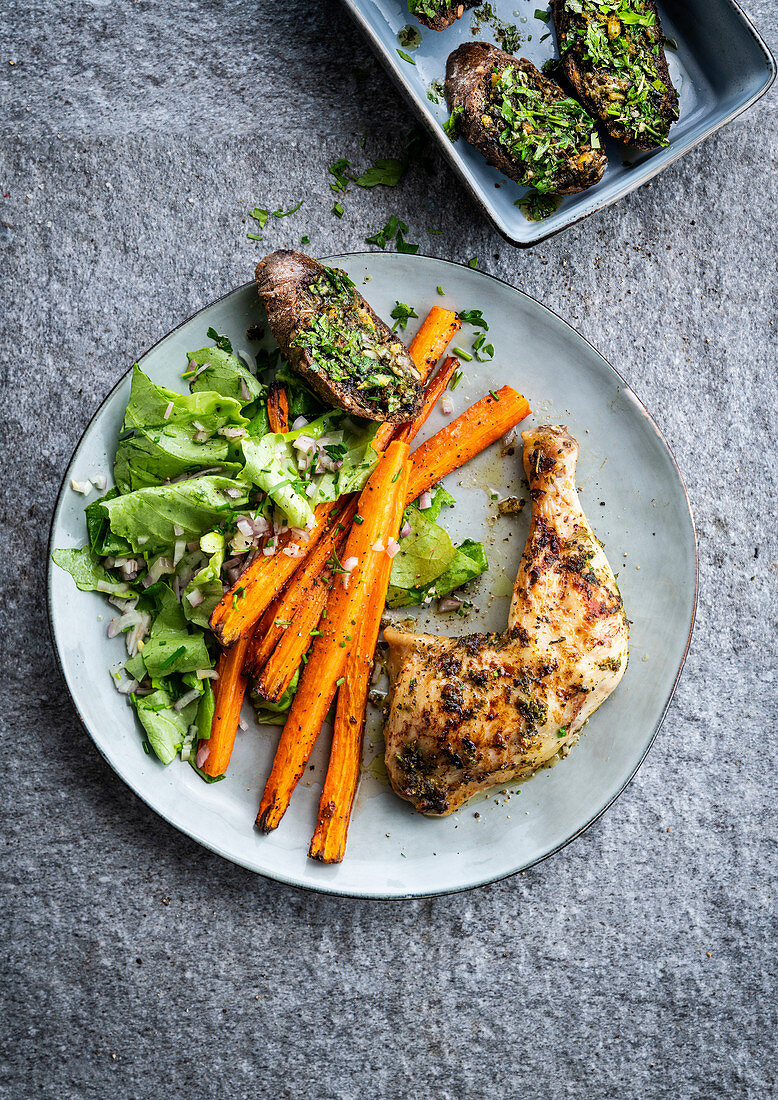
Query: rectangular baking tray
[720, 68]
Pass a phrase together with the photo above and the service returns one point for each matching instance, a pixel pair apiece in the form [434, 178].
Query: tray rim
[396, 74]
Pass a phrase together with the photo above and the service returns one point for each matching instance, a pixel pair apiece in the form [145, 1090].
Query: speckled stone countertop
[638, 962]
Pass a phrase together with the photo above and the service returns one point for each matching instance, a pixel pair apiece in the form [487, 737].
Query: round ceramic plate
[635, 499]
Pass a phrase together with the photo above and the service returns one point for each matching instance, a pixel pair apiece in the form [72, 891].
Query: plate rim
[397, 76]
[326, 888]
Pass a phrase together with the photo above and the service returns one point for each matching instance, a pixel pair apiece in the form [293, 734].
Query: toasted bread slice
[522, 121]
[439, 14]
[335, 341]
[618, 70]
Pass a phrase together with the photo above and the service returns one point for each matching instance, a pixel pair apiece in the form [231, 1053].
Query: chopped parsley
[545, 132]
[222, 342]
[618, 45]
[473, 317]
[401, 314]
[406, 57]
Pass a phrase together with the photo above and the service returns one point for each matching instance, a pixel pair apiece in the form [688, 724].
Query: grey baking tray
[720, 68]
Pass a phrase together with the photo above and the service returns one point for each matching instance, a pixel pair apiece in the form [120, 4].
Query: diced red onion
[231, 432]
[202, 754]
[244, 390]
[168, 411]
[243, 724]
[179, 549]
[392, 547]
[446, 405]
[379, 546]
[350, 563]
[300, 422]
[100, 482]
[110, 588]
[157, 568]
[187, 698]
[199, 437]
[425, 500]
[292, 550]
[269, 551]
[83, 487]
[126, 687]
[192, 546]
[195, 597]
[234, 494]
[405, 530]
[207, 674]
[142, 540]
[449, 603]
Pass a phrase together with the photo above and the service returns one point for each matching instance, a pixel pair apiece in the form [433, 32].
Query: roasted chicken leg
[468, 713]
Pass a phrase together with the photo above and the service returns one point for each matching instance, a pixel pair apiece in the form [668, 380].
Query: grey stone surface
[638, 962]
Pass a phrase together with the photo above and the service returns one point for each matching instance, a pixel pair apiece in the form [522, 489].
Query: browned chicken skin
[468, 713]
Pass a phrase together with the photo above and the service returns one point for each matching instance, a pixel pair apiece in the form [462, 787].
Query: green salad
[202, 487]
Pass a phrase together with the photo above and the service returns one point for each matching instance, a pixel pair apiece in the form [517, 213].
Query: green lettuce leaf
[153, 456]
[424, 554]
[224, 376]
[88, 572]
[469, 561]
[149, 404]
[271, 463]
[207, 581]
[152, 514]
[165, 728]
[205, 711]
[170, 647]
[101, 538]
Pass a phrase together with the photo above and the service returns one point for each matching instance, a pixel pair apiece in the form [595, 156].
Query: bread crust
[283, 281]
[468, 72]
[446, 16]
[576, 70]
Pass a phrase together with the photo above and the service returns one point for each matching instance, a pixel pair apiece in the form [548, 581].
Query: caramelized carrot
[270, 631]
[278, 672]
[340, 785]
[278, 407]
[248, 599]
[433, 390]
[472, 432]
[229, 692]
[380, 509]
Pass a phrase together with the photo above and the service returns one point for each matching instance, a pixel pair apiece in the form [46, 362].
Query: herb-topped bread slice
[332, 337]
[613, 55]
[522, 121]
[439, 14]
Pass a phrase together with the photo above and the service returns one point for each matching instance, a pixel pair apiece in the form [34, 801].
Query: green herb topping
[345, 345]
[618, 45]
[549, 134]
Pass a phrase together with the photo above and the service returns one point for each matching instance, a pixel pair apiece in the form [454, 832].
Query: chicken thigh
[468, 713]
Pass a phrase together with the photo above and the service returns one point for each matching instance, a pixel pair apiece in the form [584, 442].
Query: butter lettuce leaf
[151, 406]
[225, 374]
[171, 647]
[88, 572]
[154, 456]
[207, 581]
[152, 514]
[165, 728]
[424, 554]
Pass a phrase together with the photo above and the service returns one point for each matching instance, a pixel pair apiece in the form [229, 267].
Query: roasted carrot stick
[229, 692]
[477, 428]
[337, 798]
[298, 592]
[281, 666]
[433, 390]
[278, 672]
[380, 508]
[248, 599]
[278, 407]
[435, 334]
